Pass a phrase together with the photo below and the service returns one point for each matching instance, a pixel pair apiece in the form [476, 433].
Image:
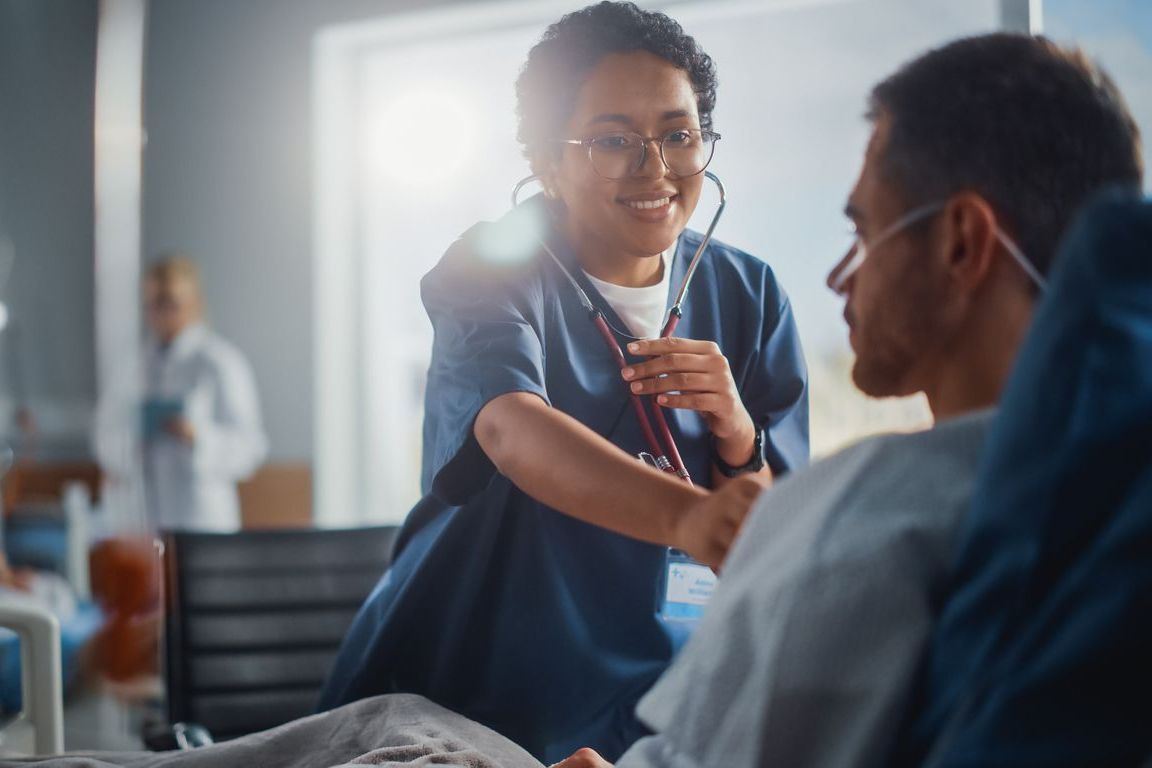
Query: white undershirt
[643, 309]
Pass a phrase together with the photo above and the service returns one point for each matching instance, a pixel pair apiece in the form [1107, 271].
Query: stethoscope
[665, 455]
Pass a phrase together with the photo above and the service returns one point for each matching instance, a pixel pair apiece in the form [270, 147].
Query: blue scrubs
[543, 627]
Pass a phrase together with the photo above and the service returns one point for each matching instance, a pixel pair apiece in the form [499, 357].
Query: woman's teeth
[646, 205]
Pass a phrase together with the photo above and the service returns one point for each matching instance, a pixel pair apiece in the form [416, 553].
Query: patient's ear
[970, 234]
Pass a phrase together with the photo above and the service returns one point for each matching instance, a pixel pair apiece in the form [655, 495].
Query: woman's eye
[679, 137]
[612, 142]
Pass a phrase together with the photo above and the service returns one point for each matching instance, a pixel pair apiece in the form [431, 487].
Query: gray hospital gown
[808, 650]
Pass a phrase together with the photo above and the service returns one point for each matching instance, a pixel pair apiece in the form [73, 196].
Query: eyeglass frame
[644, 142]
[860, 248]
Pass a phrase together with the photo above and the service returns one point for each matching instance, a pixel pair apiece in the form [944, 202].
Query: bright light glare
[515, 239]
[423, 136]
[3, 315]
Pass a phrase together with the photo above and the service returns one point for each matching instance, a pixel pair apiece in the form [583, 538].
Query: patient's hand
[583, 758]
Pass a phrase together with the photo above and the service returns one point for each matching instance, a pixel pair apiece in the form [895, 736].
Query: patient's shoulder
[902, 465]
[873, 495]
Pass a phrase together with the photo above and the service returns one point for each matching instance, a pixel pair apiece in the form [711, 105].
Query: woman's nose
[651, 163]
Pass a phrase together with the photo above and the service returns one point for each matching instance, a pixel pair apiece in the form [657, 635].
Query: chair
[254, 619]
[43, 709]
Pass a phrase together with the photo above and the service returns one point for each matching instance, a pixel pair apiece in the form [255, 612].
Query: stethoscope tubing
[664, 450]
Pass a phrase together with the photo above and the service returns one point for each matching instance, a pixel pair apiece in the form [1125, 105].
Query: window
[1117, 34]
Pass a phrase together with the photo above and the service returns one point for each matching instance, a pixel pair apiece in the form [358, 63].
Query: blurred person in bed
[192, 427]
[79, 622]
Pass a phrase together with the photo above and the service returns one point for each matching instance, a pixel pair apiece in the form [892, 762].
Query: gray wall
[47, 67]
[228, 176]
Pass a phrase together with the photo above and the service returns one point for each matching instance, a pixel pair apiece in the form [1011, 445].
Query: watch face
[758, 451]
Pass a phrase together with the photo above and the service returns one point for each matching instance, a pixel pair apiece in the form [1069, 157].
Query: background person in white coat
[191, 430]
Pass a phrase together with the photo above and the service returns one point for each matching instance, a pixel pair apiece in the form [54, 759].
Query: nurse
[532, 586]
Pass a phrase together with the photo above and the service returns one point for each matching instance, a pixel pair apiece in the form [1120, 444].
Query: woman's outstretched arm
[562, 463]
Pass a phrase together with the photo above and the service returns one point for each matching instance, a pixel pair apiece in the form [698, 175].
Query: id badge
[687, 587]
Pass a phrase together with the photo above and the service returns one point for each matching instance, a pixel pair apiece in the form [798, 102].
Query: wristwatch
[755, 464]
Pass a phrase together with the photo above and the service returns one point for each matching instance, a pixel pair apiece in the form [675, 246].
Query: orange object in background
[125, 576]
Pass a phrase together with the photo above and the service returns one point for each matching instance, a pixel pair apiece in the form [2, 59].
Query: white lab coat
[187, 487]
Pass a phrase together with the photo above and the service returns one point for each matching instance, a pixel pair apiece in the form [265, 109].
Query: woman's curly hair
[557, 66]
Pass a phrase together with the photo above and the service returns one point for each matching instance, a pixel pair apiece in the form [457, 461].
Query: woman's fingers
[672, 344]
[696, 372]
[679, 365]
[681, 382]
[715, 522]
[693, 401]
[741, 494]
[674, 363]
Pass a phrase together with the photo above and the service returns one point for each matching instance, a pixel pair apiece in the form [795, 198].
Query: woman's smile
[650, 207]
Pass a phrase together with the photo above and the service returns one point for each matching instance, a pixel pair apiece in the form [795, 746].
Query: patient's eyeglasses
[860, 249]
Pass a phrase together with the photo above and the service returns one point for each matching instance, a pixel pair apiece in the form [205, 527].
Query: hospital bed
[1041, 655]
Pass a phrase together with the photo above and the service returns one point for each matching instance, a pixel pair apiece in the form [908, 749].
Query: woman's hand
[707, 528]
[691, 374]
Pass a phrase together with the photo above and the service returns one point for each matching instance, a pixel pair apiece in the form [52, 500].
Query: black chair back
[254, 619]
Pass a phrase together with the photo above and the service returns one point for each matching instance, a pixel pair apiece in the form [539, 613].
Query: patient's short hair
[1033, 128]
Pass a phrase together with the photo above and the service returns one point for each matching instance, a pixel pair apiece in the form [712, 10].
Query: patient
[79, 623]
[981, 152]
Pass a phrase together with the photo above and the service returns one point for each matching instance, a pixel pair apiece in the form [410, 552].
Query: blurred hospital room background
[312, 159]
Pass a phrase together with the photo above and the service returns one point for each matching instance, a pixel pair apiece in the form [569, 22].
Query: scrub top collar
[555, 240]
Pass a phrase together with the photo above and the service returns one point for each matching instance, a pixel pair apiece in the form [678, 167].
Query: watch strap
[754, 464]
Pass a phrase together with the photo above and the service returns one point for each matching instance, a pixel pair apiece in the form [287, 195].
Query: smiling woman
[625, 211]
[539, 585]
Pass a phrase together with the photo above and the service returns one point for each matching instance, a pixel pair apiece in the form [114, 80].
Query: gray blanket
[397, 730]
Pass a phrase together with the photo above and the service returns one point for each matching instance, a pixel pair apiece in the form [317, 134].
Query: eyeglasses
[684, 152]
[840, 276]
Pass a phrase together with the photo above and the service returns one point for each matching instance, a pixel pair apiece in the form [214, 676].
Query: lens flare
[424, 135]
